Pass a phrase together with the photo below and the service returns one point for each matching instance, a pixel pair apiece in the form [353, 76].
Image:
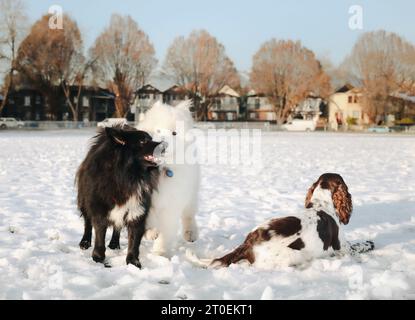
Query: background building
[345, 108]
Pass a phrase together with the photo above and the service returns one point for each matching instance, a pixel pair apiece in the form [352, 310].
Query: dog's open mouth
[156, 157]
[152, 160]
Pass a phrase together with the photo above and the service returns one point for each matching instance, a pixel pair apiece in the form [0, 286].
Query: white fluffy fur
[175, 199]
[130, 211]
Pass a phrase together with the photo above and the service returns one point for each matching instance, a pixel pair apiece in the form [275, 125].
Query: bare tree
[383, 62]
[73, 68]
[124, 58]
[338, 74]
[286, 72]
[200, 64]
[51, 60]
[74, 77]
[12, 30]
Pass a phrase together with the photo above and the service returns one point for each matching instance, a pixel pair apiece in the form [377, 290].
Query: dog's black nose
[163, 146]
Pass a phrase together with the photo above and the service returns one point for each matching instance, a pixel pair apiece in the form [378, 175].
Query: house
[310, 108]
[259, 108]
[159, 90]
[146, 96]
[96, 104]
[149, 94]
[174, 95]
[225, 105]
[402, 106]
[345, 108]
[25, 104]
[29, 104]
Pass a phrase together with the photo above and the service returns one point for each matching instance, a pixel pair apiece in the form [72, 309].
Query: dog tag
[169, 173]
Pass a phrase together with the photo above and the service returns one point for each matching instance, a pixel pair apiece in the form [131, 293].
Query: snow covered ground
[40, 227]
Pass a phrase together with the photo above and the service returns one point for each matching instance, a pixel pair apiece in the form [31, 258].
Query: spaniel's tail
[238, 254]
[243, 252]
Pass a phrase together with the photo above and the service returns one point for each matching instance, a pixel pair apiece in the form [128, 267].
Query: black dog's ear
[116, 135]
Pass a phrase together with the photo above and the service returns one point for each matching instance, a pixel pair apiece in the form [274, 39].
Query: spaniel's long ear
[308, 203]
[342, 201]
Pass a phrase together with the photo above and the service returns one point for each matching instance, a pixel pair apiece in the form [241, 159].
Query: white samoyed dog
[175, 199]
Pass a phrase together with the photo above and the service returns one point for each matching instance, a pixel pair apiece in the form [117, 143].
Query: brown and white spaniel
[293, 240]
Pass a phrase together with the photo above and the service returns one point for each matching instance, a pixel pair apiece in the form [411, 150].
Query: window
[356, 99]
[75, 99]
[27, 101]
[85, 102]
[218, 103]
[37, 99]
[356, 114]
[257, 103]
[350, 99]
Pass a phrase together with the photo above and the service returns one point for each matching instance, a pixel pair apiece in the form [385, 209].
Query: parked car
[6, 123]
[300, 125]
[108, 122]
[379, 129]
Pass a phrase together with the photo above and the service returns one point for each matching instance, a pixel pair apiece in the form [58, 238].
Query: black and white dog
[115, 184]
[296, 239]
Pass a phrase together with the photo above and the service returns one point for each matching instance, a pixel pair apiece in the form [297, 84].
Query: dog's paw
[362, 247]
[134, 261]
[98, 258]
[370, 244]
[190, 235]
[114, 246]
[151, 234]
[84, 244]
[162, 252]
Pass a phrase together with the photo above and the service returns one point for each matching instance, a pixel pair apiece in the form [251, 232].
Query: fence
[50, 125]
[264, 126]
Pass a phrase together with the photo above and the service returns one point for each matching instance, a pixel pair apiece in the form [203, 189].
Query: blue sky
[242, 26]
